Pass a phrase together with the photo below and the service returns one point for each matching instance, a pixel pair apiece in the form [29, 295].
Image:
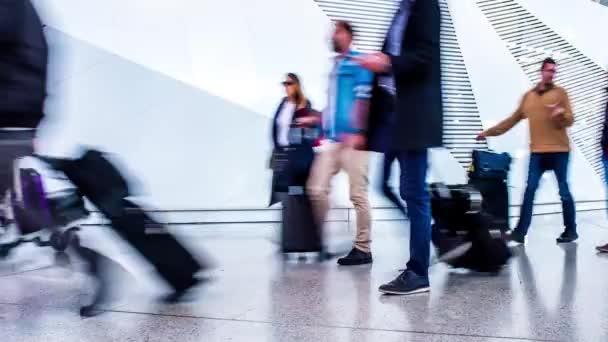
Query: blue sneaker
[406, 283]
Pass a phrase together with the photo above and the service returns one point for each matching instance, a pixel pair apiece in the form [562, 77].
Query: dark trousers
[414, 165]
[13, 144]
[539, 164]
[389, 158]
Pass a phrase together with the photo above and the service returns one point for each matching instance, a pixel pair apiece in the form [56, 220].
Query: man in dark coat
[23, 64]
[604, 147]
[406, 118]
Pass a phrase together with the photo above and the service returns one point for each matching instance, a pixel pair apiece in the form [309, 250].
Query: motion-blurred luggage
[30, 205]
[47, 219]
[98, 180]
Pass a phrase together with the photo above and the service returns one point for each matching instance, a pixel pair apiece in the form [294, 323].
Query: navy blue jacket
[23, 65]
[414, 119]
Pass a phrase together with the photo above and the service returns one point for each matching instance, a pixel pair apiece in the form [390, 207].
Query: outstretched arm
[505, 125]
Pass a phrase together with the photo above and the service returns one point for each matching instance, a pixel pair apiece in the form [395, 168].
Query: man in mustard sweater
[549, 113]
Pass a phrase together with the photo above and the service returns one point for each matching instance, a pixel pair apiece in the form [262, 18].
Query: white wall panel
[229, 48]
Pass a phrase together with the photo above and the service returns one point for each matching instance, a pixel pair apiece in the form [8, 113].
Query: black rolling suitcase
[488, 173]
[495, 196]
[462, 232]
[299, 231]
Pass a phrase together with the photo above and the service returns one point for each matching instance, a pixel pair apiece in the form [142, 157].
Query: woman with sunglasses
[294, 111]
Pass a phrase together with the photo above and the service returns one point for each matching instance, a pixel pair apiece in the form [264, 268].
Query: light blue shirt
[348, 83]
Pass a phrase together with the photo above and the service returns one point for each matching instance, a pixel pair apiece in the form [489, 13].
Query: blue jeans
[539, 163]
[414, 165]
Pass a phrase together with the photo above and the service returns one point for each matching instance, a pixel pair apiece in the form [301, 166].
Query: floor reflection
[548, 292]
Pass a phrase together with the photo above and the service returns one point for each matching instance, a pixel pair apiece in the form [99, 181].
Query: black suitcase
[488, 173]
[97, 179]
[299, 231]
[495, 194]
[463, 232]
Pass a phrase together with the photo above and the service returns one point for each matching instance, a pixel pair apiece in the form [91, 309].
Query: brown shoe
[602, 249]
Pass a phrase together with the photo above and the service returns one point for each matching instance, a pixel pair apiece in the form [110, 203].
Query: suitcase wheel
[60, 241]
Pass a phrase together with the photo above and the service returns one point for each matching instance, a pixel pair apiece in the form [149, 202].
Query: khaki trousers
[328, 163]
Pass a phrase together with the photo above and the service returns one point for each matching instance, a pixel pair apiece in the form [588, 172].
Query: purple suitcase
[30, 205]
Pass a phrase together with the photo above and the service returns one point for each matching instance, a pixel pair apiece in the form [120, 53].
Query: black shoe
[567, 237]
[406, 283]
[356, 257]
[101, 297]
[180, 295]
[90, 311]
[516, 237]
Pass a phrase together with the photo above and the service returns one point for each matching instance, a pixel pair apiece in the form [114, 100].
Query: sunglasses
[288, 83]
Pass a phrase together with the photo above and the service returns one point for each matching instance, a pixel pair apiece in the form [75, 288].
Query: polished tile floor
[547, 293]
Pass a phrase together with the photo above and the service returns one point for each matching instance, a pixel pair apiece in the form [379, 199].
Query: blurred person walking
[23, 76]
[23, 66]
[406, 118]
[344, 124]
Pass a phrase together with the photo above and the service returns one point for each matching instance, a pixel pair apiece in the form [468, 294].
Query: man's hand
[556, 111]
[376, 62]
[558, 114]
[481, 136]
[355, 141]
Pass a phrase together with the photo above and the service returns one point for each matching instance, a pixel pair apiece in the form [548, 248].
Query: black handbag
[490, 165]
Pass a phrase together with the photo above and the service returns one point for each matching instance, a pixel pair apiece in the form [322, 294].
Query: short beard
[336, 47]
